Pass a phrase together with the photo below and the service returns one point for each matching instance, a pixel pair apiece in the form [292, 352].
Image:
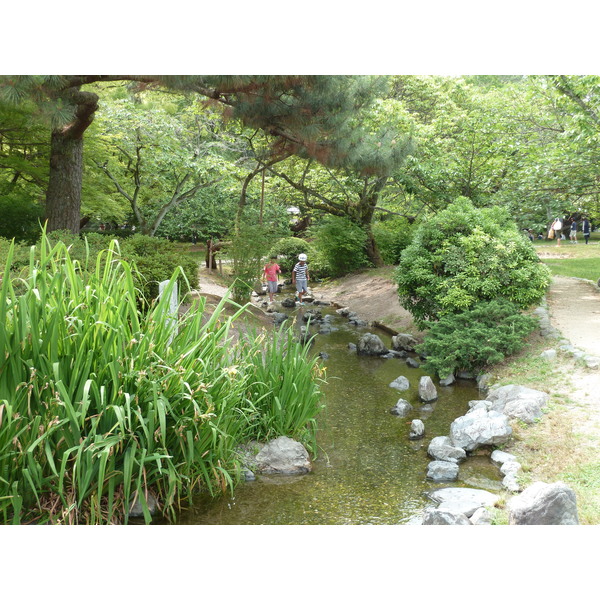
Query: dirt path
[574, 306]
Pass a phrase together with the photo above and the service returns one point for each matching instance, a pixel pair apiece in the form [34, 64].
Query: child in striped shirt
[300, 277]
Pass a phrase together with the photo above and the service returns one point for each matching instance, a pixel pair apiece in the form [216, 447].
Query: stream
[367, 471]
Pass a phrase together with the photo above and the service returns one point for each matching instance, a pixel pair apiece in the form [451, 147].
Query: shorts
[272, 286]
[301, 285]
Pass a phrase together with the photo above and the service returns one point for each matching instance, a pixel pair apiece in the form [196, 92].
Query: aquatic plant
[101, 403]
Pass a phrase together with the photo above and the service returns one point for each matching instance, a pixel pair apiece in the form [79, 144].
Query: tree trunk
[373, 250]
[63, 197]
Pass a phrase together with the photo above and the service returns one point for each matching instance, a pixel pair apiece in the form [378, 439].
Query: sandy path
[574, 306]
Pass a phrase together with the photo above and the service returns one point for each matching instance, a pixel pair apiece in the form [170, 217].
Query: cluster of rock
[371, 344]
[486, 425]
[540, 504]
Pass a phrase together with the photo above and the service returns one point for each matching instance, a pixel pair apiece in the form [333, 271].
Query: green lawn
[572, 260]
[585, 268]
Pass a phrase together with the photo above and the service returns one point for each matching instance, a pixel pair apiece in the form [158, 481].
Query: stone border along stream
[487, 424]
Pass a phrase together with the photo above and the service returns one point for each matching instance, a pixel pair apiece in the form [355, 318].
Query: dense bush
[464, 255]
[392, 236]
[156, 259]
[100, 402]
[341, 245]
[470, 340]
[287, 251]
[20, 218]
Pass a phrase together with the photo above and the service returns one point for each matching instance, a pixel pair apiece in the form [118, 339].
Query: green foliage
[392, 236]
[283, 386]
[248, 248]
[341, 245]
[21, 217]
[463, 256]
[100, 403]
[287, 251]
[156, 259]
[477, 337]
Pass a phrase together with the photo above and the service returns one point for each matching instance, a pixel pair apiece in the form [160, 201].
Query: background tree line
[202, 158]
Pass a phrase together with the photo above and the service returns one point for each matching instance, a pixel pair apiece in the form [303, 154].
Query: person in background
[300, 277]
[586, 229]
[270, 272]
[557, 226]
[573, 231]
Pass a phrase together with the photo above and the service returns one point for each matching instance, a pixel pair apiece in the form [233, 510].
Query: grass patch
[584, 268]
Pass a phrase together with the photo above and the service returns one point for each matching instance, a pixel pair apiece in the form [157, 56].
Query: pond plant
[101, 402]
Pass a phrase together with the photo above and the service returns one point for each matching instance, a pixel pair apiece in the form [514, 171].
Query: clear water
[367, 471]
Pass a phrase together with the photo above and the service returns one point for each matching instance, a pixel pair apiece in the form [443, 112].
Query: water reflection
[368, 471]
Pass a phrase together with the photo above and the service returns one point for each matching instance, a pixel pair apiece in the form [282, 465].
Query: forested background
[320, 157]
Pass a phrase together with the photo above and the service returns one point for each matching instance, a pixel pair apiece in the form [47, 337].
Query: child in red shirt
[270, 273]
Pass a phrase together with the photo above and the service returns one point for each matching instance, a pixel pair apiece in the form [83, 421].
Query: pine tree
[312, 116]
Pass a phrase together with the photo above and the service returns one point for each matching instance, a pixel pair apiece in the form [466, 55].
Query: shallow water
[367, 471]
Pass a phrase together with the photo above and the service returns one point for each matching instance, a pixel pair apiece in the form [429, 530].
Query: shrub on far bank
[287, 251]
[477, 337]
[392, 237]
[463, 256]
[341, 245]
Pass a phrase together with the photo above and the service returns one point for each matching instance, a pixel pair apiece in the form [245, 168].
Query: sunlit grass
[584, 268]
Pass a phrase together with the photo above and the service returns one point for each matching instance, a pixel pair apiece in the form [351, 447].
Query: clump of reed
[101, 403]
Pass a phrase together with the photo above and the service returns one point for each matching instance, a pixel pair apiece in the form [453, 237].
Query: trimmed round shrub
[464, 255]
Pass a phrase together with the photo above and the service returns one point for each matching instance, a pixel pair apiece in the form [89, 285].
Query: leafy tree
[306, 115]
[157, 161]
[464, 255]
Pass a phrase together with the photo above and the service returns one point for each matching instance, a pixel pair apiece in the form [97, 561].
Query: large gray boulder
[404, 341]
[441, 448]
[427, 390]
[441, 470]
[518, 402]
[463, 500]
[370, 345]
[435, 516]
[481, 426]
[544, 504]
[400, 383]
[283, 456]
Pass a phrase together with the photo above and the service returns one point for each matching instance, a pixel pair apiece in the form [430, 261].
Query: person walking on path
[586, 228]
[573, 231]
[300, 277]
[557, 229]
[270, 272]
